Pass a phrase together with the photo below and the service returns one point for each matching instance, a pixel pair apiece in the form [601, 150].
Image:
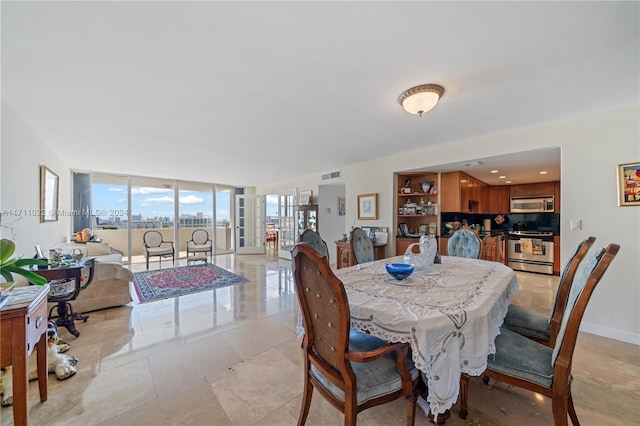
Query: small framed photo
[629, 184]
[39, 254]
[368, 206]
[422, 230]
[403, 230]
[304, 198]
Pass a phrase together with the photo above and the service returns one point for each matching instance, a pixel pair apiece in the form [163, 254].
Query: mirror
[48, 195]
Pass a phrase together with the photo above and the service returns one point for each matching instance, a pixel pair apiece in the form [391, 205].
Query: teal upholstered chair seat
[527, 322]
[375, 378]
[464, 243]
[361, 246]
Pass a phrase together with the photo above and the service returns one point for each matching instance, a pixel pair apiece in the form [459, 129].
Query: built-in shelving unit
[417, 207]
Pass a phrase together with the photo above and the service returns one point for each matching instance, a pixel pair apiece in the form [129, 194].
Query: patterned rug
[173, 282]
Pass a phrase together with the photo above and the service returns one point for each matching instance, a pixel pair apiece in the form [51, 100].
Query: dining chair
[464, 243]
[200, 243]
[353, 371]
[312, 237]
[272, 235]
[154, 245]
[522, 362]
[544, 328]
[361, 246]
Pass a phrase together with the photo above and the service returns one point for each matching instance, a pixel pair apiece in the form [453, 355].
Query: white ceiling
[249, 93]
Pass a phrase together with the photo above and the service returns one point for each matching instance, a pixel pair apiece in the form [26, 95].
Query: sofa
[111, 281]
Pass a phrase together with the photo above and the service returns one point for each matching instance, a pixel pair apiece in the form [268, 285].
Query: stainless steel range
[531, 251]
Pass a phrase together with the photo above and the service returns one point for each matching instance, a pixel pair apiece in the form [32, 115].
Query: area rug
[173, 282]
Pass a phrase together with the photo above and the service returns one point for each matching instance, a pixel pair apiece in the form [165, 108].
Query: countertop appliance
[544, 204]
[530, 251]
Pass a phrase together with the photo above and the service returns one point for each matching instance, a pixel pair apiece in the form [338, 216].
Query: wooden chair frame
[560, 390]
[335, 363]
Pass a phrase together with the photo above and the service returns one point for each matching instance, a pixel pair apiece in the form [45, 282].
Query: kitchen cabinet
[533, 189]
[345, 256]
[417, 208]
[463, 193]
[556, 193]
[556, 255]
[499, 199]
[306, 218]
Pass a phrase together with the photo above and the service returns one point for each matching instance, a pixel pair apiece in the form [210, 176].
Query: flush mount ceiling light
[421, 99]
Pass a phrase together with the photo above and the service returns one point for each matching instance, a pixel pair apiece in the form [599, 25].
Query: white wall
[22, 154]
[330, 224]
[592, 146]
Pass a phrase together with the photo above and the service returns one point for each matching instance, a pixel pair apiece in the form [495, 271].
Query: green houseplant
[9, 265]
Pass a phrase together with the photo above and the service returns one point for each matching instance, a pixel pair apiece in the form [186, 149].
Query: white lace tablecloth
[450, 314]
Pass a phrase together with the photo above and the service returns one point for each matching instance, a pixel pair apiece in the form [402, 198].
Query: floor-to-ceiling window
[152, 208]
[108, 202]
[195, 211]
[120, 209]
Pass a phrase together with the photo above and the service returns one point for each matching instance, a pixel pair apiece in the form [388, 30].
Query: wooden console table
[345, 257]
[23, 326]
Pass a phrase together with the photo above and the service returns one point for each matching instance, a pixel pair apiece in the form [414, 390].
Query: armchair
[199, 243]
[154, 245]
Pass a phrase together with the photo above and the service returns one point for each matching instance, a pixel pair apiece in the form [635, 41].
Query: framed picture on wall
[342, 208]
[368, 206]
[48, 195]
[304, 198]
[629, 184]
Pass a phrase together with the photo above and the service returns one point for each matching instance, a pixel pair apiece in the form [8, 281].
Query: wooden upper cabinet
[499, 199]
[556, 193]
[463, 193]
[533, 189]
[450, 192]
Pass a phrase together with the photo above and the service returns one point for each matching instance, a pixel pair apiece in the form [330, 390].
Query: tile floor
[231, 357]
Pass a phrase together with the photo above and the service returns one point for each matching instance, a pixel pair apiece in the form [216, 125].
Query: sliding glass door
[195, 211]
[120, 209]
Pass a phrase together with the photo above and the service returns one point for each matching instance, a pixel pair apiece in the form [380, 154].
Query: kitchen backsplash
[543, 222]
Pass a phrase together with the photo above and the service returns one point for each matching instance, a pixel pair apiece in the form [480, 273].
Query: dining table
[449, 313]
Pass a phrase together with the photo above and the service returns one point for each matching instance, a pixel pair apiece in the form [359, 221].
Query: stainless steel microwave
[543, 204]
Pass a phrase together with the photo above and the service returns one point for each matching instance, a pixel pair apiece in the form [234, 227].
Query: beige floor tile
[258, 336]
[194, 404]
[247, 399]
[177, 367]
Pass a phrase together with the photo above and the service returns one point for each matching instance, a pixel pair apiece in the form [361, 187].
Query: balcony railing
[117, 238]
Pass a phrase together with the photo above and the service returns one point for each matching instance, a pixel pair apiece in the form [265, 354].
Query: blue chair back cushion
[464, 243]
[362, 246]
[316, 241]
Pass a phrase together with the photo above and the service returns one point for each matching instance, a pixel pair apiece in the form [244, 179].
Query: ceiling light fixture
[421, 99]
[494, 171]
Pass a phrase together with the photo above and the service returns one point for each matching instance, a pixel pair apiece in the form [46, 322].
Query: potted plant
[9, 265]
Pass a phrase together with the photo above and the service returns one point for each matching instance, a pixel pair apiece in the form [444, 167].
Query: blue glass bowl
[399, 271]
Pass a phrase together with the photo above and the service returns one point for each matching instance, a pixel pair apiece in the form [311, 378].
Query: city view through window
[154, 207]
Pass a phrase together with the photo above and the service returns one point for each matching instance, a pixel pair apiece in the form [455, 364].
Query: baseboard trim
[612, 333]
